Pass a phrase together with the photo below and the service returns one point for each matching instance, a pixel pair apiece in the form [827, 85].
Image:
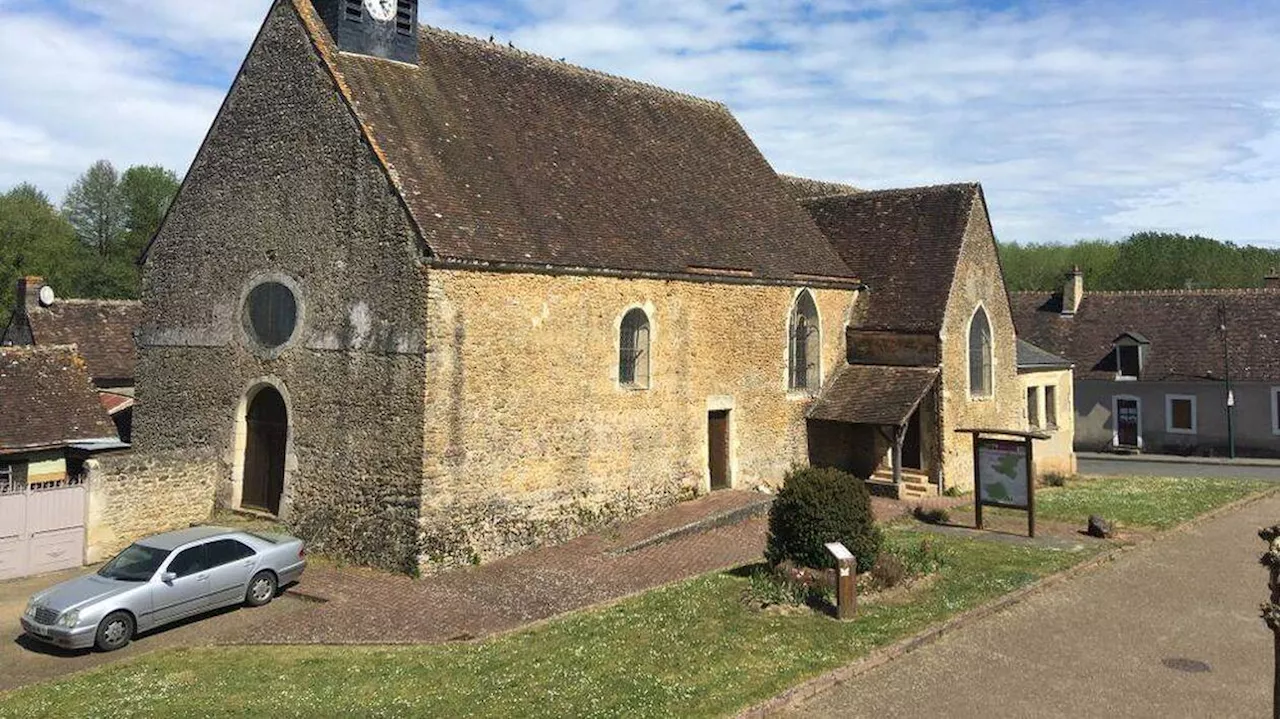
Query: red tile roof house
[50, 422]
[101, 330]
[1154, 368]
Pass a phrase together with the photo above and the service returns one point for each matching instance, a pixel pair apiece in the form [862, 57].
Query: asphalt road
[1169, 629]
[24, 661]
[1131, 468]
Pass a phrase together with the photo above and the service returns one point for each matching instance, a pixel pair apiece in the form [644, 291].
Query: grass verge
[692, 649]
[1152, 502]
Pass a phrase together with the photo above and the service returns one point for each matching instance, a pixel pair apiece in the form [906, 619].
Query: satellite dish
[47, 298]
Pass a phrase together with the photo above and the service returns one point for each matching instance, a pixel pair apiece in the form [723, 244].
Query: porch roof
[874, 394]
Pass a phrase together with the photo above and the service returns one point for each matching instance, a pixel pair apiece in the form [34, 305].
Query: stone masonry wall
[978, 281]
[287, 189]
[530, 438]
[1056, 455]
[132, 496]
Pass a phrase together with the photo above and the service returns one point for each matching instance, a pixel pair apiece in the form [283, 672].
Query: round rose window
[272, 314]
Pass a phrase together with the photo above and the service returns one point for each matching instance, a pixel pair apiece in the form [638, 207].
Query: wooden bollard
[846, 581]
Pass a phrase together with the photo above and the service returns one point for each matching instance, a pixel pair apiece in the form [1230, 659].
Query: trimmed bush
[817, 505]
[933, 515]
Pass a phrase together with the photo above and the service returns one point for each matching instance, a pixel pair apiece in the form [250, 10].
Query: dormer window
[1130, 355]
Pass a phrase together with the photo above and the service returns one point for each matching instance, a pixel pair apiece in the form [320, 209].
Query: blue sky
[1081, 119]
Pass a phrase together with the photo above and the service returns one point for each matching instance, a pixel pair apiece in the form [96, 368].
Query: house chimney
[1272, 281]
[1072, 292]
[29, 291]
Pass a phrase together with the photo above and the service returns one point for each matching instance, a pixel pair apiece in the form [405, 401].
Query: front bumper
[76, 638]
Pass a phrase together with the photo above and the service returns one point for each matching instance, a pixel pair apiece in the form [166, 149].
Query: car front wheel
[262, 589]
[114, 631]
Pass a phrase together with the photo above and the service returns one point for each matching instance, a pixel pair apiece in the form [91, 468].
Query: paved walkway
[1170, 629]
[367, 607]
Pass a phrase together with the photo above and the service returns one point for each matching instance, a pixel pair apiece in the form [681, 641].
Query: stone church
[434, 300]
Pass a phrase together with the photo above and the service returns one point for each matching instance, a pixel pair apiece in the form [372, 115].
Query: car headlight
[30, 612]
[70, 619]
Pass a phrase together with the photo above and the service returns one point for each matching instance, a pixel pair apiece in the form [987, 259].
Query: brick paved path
[368, 607]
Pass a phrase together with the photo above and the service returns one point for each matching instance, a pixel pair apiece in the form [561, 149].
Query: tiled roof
[904, 244]
[1032, 357]
[101, 330]
[47, 400]
[507, 157]
[1182, 327]
[871, 394]
[803, 188]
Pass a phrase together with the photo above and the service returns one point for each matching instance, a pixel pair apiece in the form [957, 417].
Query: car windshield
[138, 563]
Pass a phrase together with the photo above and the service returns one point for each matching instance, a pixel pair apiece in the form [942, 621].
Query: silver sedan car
[163, 579]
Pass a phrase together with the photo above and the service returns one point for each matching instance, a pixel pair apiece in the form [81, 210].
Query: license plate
[38, 630]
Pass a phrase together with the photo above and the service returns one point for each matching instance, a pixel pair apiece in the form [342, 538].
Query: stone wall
[978, 282]
[1056, 455]
[132, 496]
[531, 439]
[287, 189]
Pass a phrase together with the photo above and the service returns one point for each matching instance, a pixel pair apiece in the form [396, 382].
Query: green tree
[148, 190]
[95, 207]
[36, 240]
[1143, 261]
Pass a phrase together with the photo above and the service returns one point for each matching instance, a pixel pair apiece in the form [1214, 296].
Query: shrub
[936, 515]
[952, 491]
[922, 557]
[1055, 479]
[888, 571]
[820, 505]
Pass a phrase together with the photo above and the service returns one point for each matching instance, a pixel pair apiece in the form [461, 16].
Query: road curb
[1175, 459]
[902, 647]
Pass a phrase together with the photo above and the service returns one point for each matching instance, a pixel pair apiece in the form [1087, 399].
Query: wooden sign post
[846, 581]
[1004, 472]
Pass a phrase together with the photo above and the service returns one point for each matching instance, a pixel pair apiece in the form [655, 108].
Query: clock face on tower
[381, 10]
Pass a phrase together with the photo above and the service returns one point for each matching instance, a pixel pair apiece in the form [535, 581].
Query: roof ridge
[1203, 292]
[86, 301]
[72, 349]
[564, 65]
[861, 194]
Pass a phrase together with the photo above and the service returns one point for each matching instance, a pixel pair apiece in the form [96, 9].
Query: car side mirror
[168, 577]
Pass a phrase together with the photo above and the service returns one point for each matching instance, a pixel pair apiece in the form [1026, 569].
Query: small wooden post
[1031, 490]
[846, 581]
[977, 485]
[899, 434]
[846, 589]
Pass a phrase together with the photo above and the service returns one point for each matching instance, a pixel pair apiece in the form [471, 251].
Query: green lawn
[1154, 502]
[693, 649]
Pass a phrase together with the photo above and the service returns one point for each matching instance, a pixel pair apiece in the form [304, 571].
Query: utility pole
[1231, 395]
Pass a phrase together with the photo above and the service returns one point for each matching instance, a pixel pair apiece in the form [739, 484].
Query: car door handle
[202, 578]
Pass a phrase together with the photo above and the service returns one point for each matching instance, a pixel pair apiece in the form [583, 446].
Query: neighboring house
[50, 422]
[1153, 367]
[436, 301]
[101, 330]
[1046, 381]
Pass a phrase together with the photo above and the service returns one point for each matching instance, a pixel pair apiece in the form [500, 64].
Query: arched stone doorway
[266, 441]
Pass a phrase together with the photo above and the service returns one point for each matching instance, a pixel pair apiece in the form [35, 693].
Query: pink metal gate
[41, 526]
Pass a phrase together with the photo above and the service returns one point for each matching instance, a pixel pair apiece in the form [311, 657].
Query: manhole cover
[1186, 665]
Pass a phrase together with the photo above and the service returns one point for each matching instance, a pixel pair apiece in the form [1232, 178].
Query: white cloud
[1081, 119]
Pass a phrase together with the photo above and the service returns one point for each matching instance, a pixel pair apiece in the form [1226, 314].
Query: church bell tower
[379, 28]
